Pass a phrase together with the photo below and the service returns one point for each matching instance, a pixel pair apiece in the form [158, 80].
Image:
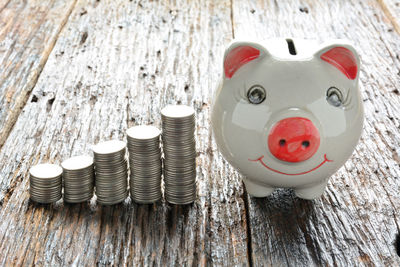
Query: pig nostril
[305, 144]
[282, 142]
[293, 139]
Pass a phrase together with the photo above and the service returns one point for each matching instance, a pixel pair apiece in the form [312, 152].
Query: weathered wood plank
[28, 32]
[115, 66]
[356, 221]
[391, 8]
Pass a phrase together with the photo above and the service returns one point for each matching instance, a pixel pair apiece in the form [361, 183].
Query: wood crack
[389, 15]
[4, 6]
[245, 198]
[232, 24]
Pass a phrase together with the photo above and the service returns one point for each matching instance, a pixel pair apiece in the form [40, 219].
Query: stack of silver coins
[145, 163]
[78, 179]
[179, 147]
[45, 183]
[111, 172]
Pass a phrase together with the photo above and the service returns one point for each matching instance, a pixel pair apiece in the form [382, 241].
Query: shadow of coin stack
[111, 172]
[45, 183]
[179, 147]
[145, 163]
[78, 179]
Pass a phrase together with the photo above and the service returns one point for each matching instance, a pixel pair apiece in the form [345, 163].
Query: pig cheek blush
[301, 125]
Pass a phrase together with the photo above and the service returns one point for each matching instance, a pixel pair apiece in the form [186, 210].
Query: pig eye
[256, 94]
[334, 97]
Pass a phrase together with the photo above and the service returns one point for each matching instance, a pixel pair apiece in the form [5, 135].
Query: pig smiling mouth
[260, 159]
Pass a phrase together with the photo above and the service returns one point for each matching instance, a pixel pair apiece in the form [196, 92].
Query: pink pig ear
[343, 57]
[239, 54]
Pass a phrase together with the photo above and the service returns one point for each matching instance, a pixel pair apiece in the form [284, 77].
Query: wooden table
[73, 73]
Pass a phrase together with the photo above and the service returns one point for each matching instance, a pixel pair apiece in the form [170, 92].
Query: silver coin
[149, 143]
[144, 169]
[46, 194]
[146, 177]
[77, 190]
[118, 170]
[177, 184]
[78, 179]
[45, 183]
[179, 150]
[81, 197]
[143, 157]
[180, 201]
[177, 112]
[103, 187]
[77, 163]
[146, 186]
[143, 195]
[45, 171]
[111, 168]
[46, 197]
[139, 201]
[143, 132]
[46, 200]
[145, 163]
[178, 169]
[109, 147]
[110, 164]
[146, 196]
[110, 200]
[79, 175]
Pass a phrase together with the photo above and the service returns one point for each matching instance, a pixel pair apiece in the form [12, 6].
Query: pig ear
[342, 56]
[239, 54]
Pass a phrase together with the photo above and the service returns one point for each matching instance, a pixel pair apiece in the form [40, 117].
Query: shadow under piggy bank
[282, 227]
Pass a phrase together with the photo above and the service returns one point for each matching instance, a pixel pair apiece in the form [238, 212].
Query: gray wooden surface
[73, 73]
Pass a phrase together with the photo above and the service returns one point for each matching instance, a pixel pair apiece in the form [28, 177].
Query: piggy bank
[288, 113]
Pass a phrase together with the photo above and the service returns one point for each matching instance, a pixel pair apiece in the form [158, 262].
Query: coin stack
[111, 172]
[78, 178]
[179, 147]
[45, 183]
[145, 163]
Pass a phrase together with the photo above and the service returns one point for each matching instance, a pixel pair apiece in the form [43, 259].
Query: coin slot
[291, 47]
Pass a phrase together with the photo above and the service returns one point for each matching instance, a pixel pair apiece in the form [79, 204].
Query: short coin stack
[78, 176]
[111, 172]
[179, 147]
[145, 163]
[45, 183]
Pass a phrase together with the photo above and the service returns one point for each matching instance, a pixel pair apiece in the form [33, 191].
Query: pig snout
[293, 139]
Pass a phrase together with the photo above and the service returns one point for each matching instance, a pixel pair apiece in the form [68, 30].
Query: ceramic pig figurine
[288, 113]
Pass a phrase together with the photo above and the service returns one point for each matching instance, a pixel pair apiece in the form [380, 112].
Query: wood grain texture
[116, 64]
[357, 219]
[391, 8]
[28, 32]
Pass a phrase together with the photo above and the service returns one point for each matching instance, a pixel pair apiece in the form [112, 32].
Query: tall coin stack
[179, 147]
[145, 163]
[78, 176]
[111, 172]
[45, 183]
